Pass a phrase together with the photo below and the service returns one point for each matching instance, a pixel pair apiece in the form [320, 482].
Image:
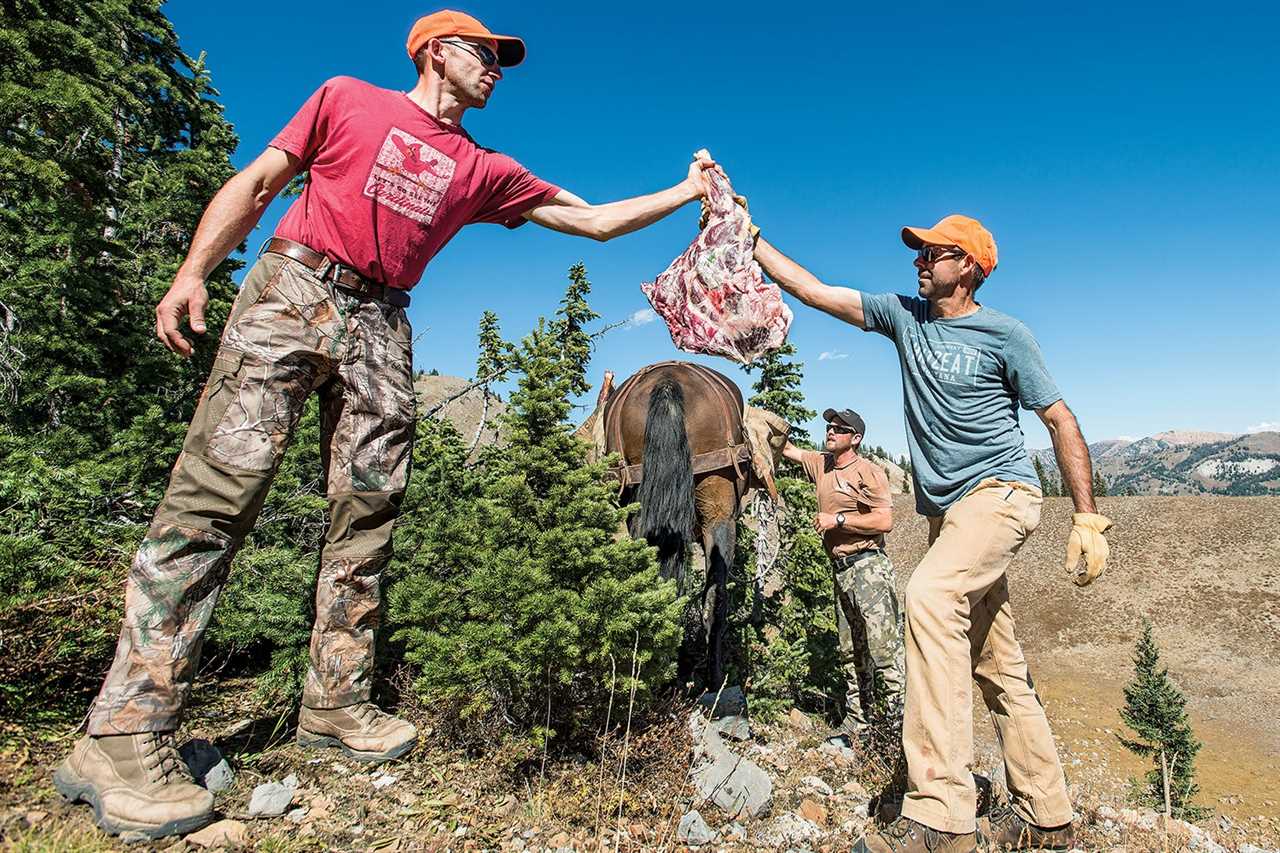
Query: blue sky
[1125, 156]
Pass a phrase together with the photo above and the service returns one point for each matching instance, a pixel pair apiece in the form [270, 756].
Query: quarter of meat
[714, 298]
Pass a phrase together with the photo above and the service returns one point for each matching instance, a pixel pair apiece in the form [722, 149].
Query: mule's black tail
[666, 492]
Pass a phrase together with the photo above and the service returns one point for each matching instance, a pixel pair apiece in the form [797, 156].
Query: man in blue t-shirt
[966, 369]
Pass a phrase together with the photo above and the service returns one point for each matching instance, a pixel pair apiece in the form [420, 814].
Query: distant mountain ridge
[1185, 462]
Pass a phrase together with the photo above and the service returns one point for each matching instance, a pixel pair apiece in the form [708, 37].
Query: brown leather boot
[362, 731]
[135, 783]
[1005, 829]
[904, 835]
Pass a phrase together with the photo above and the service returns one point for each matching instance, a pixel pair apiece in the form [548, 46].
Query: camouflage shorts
[869, 621]
[289, 335]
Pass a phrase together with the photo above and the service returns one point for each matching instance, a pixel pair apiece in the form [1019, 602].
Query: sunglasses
[843, 430]
[933, 254]
[482, 52]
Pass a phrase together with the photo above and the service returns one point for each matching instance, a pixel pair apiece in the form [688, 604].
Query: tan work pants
[960, 629]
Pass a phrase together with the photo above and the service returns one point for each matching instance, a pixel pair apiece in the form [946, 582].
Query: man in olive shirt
[855, 511]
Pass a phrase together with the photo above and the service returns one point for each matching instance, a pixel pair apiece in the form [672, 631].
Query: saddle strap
[703, 463]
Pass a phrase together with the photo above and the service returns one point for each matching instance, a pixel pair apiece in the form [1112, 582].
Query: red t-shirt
[390, 185]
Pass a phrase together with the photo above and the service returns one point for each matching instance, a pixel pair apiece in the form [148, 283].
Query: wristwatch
[839, 519]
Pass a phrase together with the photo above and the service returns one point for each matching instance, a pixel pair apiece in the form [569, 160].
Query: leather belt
[341, 276]
[849, 559]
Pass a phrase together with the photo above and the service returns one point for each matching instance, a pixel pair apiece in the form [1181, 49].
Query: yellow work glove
[741, 200]
[1086, 540]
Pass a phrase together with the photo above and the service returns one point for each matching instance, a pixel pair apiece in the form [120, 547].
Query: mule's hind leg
[719, 543]
[716, 497]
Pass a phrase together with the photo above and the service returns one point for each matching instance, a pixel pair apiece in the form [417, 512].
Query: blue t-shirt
[962, 381]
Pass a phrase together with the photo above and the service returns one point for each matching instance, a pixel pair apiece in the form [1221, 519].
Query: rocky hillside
[1202, 569]
[1186, 462]
[465, 411]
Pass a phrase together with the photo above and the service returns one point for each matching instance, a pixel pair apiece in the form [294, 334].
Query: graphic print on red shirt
[389, 184]
[409, 176]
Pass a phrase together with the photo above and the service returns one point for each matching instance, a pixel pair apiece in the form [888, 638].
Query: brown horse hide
[712, 409]
[678, 428]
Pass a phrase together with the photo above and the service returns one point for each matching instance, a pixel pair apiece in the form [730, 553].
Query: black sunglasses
[933, 254]
[843, 430]
[482, 52]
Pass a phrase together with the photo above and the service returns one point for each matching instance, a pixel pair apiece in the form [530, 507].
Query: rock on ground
[818, 785]
[735, 727]
[224, 833]
[207, 765]
[693, 830]
[788, 829]
[732, 702]
[812, 810]
[736, 784]
[271, 799]
[800, 720]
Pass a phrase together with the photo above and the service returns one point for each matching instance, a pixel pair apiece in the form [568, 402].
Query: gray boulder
[732, 702]
[734, 783]
[736, 728]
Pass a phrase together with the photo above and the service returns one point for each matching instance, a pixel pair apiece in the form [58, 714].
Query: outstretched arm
[228, 219]
[790, 451]
[569, 214]
[844, 303]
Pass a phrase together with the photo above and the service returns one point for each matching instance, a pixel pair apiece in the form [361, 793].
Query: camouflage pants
[289, 335]
[869, 622]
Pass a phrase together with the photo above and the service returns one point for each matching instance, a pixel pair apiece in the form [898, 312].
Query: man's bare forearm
[841, 302]
[569, 214]
[869, 523]
[616, 218]
[789, 275]
[1072, 453]
[227, 221]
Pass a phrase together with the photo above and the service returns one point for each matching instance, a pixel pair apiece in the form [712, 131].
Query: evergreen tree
[111, 144]
[1050, 485]
[1156, 710]
[786, 644]
[1099, 484]
[514, 596]
[777, 389]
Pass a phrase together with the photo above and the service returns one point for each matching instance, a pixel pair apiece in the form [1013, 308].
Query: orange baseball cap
[957, 230]
[447, 22]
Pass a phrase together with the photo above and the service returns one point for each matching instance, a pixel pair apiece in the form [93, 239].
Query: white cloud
[832, 355]
[1125, 438]
[1265, 426]
[640, 318]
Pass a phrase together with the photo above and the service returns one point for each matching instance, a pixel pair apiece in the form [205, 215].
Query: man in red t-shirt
[391, 177]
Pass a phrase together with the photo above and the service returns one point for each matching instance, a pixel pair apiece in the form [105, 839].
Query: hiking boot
[362, 731]
[904, 835]
[1005, 829]
[135, 783]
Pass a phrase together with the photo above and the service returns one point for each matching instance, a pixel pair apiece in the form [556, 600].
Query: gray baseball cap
[848, 417]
